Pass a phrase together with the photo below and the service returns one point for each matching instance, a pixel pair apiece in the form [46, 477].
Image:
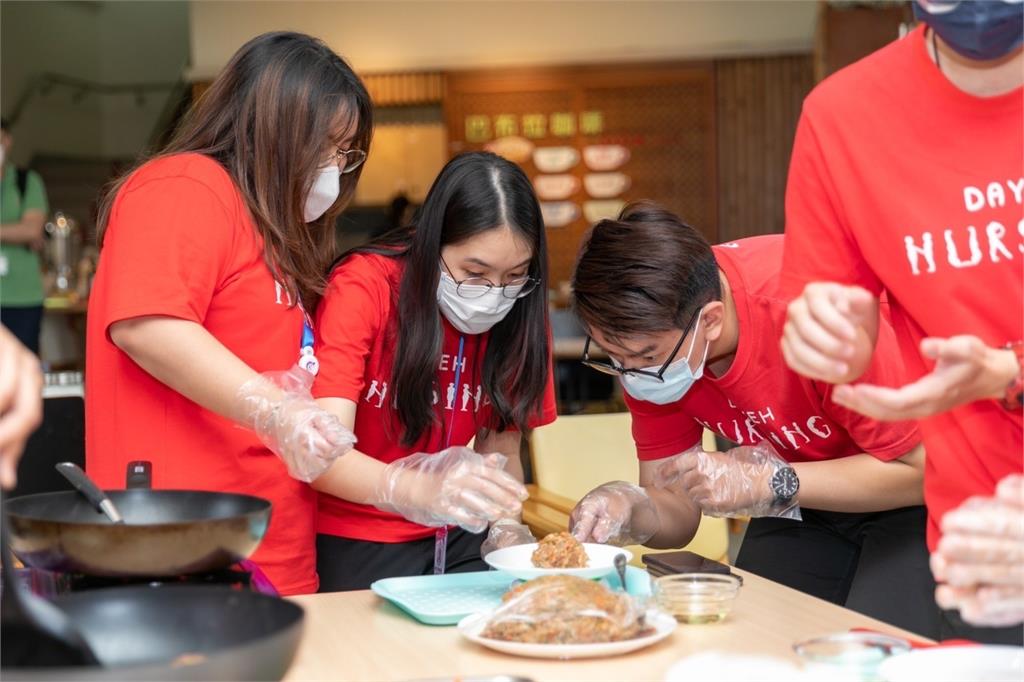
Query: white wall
[103, 42]
[402, 35]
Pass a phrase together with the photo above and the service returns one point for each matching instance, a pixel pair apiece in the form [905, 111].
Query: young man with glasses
[691, 330]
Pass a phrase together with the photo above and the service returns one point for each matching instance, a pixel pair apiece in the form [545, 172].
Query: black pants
[876, 564]
[953, 627]
[24, 322]
[345, 564]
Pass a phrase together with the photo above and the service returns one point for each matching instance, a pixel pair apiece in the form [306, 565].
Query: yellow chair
[577, 453]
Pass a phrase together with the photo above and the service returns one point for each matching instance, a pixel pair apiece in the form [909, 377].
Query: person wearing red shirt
[906, 180]
[430, 338]
[209, 252]
[690, 331]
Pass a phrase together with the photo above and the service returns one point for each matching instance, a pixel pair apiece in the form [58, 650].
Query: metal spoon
[89, 490]
[620, 566]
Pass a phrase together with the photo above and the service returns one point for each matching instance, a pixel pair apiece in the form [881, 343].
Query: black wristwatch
[785, 484]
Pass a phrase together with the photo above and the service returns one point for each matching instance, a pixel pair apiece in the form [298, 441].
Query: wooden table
[358, 636]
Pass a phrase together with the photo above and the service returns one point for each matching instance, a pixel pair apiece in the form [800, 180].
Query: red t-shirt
[181, 243]
[355, 343]
[759, 397]
[901, 182]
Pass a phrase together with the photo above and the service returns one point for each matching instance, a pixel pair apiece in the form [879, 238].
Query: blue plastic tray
[447, 599]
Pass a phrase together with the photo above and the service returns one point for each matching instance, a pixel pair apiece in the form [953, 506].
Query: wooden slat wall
[404, 89]
[758, 105]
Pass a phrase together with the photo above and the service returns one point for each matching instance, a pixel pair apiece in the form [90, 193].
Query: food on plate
[560, 550]
[564, 609]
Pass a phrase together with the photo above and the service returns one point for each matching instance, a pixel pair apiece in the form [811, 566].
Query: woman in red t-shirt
[428, 339]
[210, 250]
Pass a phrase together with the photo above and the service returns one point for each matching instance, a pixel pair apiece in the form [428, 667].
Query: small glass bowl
[849, 656]
[697, 597]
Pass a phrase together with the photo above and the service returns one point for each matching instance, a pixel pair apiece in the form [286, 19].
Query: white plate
[664, 625]
[728, 665]
[517, 561]
[977, 663]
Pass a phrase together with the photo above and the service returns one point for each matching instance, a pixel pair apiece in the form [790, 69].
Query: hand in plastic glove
[616, 513]
[506, 533]
[729, 484]
[455, 486]
[278, 406]
[980, 558]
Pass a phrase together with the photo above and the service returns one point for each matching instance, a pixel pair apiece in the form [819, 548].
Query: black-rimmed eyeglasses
[615, 370]
[475, 287]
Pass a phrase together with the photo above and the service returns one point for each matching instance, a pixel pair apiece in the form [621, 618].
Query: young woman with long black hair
[430, 338]
[210, 251]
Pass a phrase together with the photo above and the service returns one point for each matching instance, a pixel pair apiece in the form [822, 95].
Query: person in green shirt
[23, 211]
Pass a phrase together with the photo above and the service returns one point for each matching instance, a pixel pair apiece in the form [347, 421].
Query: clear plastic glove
[506, 533]
[616, 513]
[279, 407]
[980, 559]
[456, 486]
[733, 483]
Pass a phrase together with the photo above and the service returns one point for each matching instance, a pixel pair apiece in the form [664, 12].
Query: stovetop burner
[232, 577]
[243, 576]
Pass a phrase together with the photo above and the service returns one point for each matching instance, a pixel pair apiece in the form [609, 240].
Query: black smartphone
[672, 563]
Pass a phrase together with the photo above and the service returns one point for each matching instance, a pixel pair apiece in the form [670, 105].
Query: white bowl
[989, 663]
[517, 561]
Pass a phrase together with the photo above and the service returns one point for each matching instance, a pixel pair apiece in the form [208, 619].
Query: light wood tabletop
[358, 636]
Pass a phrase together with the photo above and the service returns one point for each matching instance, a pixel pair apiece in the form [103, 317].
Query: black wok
[179, 632]
[165, 532]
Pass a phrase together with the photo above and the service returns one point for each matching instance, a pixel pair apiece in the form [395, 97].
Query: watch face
[785, 483]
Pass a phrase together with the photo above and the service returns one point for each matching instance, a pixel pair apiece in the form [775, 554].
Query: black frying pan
[165, 532]
[178, 632]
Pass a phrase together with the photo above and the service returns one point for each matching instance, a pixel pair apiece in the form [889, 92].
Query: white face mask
[676, 381]
[323, 193]
[473, 315]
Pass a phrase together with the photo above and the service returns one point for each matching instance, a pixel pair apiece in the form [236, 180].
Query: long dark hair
[646, 272]
[474, 193]
[269, 118]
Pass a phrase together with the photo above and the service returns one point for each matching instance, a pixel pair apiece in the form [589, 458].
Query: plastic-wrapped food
[562, 609]
[559, 550]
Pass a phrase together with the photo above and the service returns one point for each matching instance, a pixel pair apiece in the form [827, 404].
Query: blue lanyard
[441, 535]
[307, 360]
